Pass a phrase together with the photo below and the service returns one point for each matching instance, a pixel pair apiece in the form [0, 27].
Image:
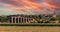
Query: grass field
[34, 27]
[29, 29]
[30, 24]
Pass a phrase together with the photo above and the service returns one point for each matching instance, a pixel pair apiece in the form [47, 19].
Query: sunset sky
[8, 7]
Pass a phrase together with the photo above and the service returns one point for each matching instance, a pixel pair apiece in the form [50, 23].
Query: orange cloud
[25, 5]
[50, 6]
[30, 5]
[53, 3]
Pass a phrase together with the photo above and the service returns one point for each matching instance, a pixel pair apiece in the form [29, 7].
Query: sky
[10, 7]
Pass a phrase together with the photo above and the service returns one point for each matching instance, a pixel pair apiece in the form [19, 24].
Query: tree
[4, 19]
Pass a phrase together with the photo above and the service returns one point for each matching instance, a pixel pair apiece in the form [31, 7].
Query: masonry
[19, 19]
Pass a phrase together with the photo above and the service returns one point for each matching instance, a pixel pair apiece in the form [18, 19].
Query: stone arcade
[19, 19]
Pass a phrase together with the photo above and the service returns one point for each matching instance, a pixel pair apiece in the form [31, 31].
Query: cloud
[53, 2]
[31, 6]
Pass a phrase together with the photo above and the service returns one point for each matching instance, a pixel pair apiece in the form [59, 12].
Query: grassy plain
[29, 29]
[30, 24]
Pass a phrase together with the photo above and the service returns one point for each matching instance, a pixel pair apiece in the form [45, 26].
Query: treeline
[38, 18]
[4, 19]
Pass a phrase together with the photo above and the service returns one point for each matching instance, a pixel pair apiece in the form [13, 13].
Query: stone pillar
[15, 19]
[21, 19]
[12, 19]
[18, 19]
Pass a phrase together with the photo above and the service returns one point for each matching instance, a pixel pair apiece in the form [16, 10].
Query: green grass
[32, 24]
